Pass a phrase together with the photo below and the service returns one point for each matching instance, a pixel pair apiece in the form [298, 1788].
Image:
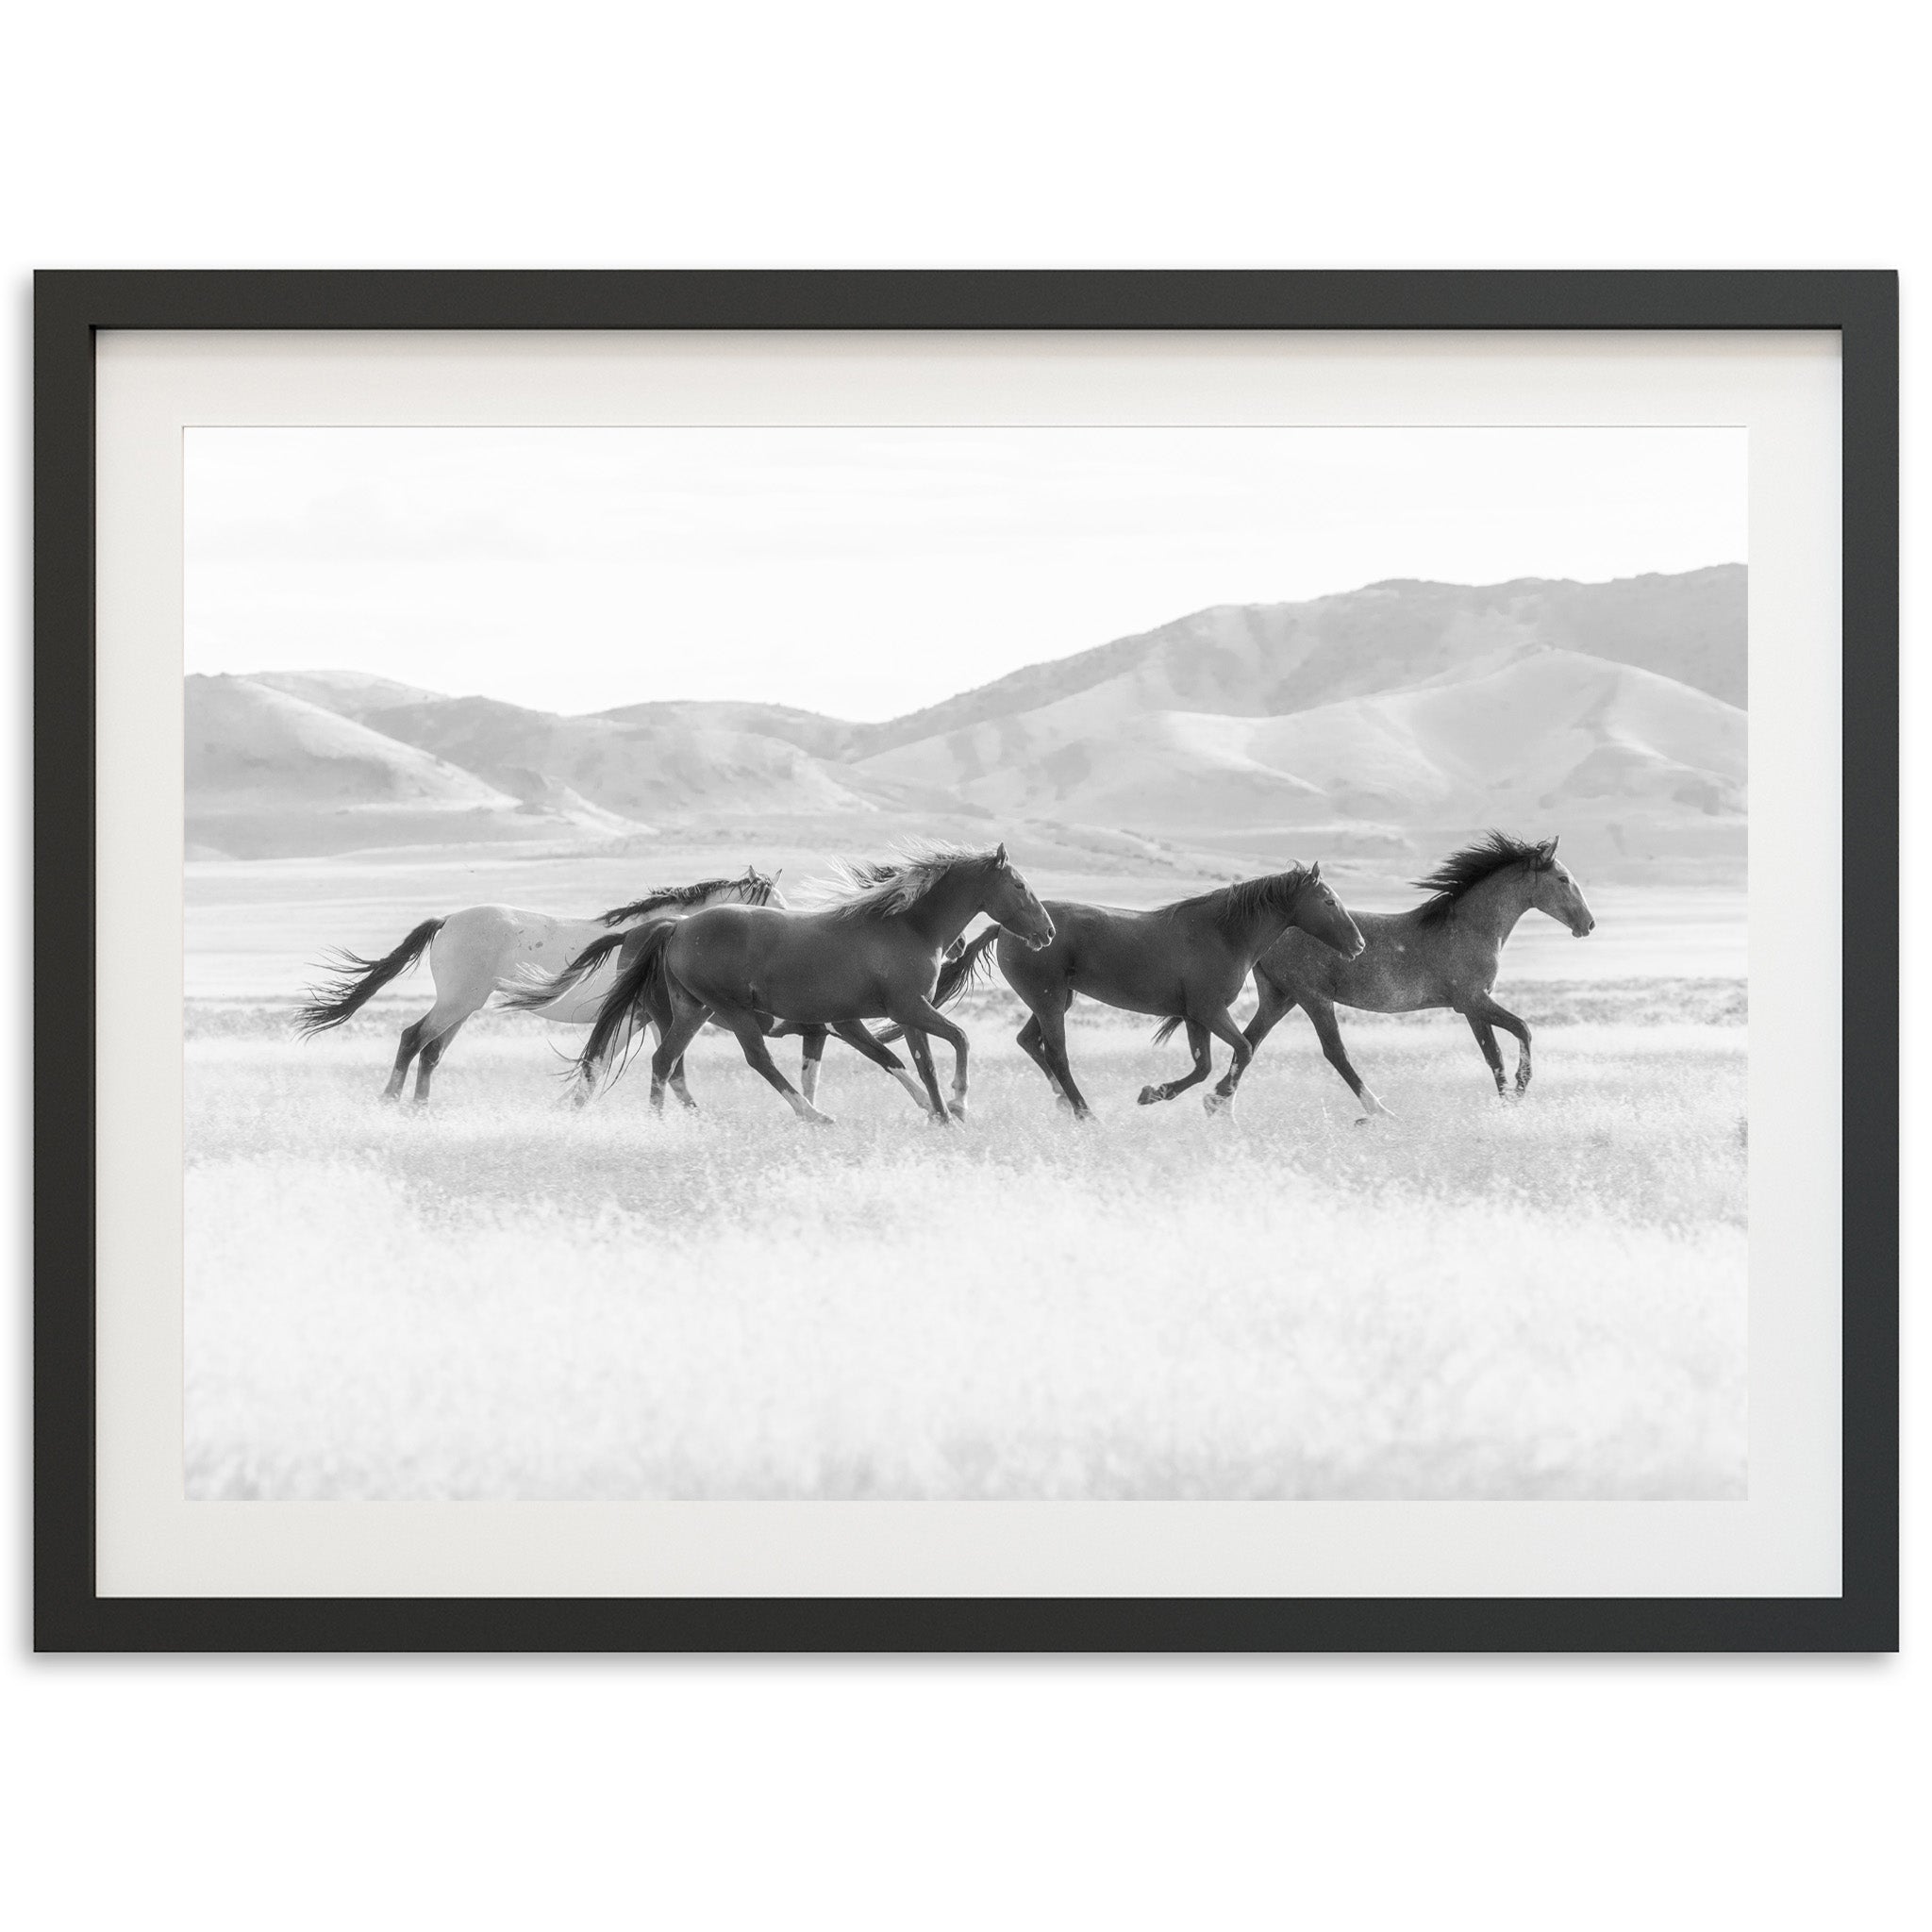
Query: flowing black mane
[1482, 858]
[1236, 906]
[661, 896]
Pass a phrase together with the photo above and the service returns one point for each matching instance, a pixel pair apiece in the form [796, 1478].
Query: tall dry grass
[503, 1298]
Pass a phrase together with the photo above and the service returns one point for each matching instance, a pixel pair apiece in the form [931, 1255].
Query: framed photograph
[966, 962]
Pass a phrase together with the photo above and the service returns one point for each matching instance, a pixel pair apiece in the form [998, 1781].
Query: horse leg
[667, 1062]
[1053, 1036]
[406, 1051]
[1328, 1030]
[431, 1054]
[1204, 1065]
[1032, 1045]
[1275, 1006]
[658, 1016]
[434, 1031]
[757, 1056]
[810, 1055]
[1486, 1038]
[927, 1017]
[1501, 1016]
[678, 1086]
[1223, 1027]
[920, 1049]
[853, 1032]
[447, 1012]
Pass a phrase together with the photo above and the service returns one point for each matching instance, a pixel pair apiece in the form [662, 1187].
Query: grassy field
[499, 1297]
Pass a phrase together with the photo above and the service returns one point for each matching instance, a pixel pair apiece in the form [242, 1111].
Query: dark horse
[870, 952]
[541, 995]
[1188, 961]
[1443, 953]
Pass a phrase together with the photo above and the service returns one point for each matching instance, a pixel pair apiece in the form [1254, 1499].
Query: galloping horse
[1188, 961]
[482, 948]
[1443, 953]
[871, 950]
[535, 994]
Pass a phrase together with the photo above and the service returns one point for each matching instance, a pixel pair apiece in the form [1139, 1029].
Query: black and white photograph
[958, 985]
[958, 962]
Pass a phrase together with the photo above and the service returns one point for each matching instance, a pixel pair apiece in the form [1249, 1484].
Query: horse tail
[962, 969]
[634, 984]
[356, 979]
[538, 991]
[1167, 1029]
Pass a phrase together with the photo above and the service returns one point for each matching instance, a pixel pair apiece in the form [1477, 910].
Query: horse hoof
[816, 1119]
[959, 1110]
[1219, 1104]
[1150, 1094]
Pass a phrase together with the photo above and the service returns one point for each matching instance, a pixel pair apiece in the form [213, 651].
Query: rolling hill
[1552, 735]
[641, 771]
[349, 694]
[1267, 660]
[270, 774]
[1389, 717]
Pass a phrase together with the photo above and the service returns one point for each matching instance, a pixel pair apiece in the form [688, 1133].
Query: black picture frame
[71, 307]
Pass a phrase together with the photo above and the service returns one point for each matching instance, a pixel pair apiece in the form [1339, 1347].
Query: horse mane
[861, 888]
[1234, 907]
[661, 897]
[1481, 858]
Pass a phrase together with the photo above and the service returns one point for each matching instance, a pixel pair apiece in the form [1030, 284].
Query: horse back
[501, 942]
[1142, 962]
[1402, 967]
[801, 965]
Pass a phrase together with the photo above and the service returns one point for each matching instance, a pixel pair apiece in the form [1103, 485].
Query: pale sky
[865, 573]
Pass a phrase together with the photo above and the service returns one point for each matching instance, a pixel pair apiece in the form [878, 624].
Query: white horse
[484, 949]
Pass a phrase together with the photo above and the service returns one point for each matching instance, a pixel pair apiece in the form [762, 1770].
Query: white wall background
[1525, 1792]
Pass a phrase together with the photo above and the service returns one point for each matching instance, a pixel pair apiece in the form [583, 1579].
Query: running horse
[1446, 952]
[871, 949]
[483, 949]
[537, 995]
[1188, 961]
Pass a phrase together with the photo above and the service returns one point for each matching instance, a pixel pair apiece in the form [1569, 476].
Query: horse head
[1009, 903]
[1554, 891]
[1323, 917]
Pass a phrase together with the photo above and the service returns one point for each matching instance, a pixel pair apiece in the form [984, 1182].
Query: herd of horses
[884, 941]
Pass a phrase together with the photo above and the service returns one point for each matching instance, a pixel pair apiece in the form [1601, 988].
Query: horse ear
[1315, 870]
[999, 858]
[1547, 850]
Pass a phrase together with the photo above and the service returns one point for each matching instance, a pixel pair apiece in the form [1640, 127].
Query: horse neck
[942, 912]
[1266, 923]
[1493, 907]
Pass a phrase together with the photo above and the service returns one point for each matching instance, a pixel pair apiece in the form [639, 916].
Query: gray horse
[1443, 953]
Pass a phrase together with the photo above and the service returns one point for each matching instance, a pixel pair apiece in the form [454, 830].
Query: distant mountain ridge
[1264, 660]
[1614, 709]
